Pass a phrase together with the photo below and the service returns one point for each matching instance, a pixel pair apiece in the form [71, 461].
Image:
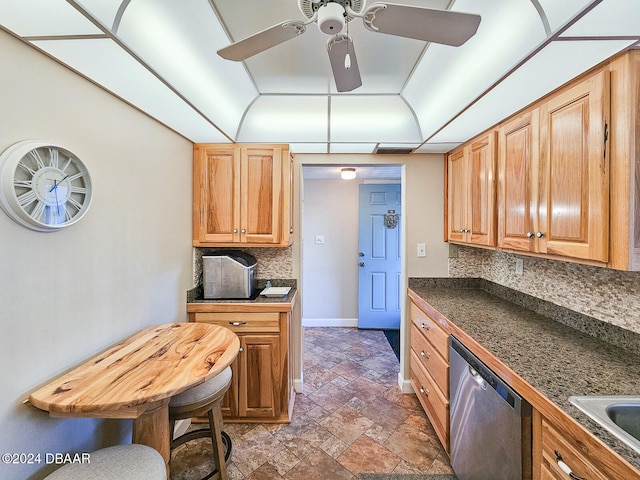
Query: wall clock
[43, 186]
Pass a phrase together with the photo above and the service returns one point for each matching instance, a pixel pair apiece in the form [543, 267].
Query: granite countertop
[195, 295]
[556, 359]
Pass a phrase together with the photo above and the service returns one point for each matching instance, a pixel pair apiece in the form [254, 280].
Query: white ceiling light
[348, 173]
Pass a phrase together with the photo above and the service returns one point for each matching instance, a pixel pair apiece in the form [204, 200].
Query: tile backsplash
[608, 295]
[273, 263]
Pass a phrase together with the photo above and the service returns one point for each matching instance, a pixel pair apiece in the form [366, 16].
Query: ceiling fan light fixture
[348, 173]
[331, 18]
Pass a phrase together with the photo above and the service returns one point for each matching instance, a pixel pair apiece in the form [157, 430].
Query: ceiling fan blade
[428, 24]
[344, 63]
[263, 40]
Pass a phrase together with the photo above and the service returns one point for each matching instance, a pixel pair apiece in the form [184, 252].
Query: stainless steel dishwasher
[490, 423]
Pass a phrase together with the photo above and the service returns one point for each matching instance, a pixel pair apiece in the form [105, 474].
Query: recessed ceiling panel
[372, 118]
[108, 65]
[309, 147]
[551, 68]
[450, 78]
[285, 119]
[609, 18]
[105, 11]
[352, 147]
[558, 12]
[179, 40]
[435, 147]
[29, 18]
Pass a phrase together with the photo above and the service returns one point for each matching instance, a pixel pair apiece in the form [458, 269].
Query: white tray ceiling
[160, 56]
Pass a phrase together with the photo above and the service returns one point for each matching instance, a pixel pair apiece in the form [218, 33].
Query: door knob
[361, 264]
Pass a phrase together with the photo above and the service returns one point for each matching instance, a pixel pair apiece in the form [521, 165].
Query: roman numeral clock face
[43, 186]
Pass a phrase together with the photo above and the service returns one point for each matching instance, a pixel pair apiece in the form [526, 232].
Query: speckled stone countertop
[556, 359]
[195, 295]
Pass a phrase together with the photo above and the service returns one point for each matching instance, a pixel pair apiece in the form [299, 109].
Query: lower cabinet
[430, 370]
[562, 451]
[262, 381]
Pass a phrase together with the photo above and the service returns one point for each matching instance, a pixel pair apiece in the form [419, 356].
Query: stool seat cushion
[204, 393]
[122, 462]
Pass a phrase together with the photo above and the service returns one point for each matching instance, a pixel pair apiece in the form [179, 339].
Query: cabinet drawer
[436, 335]
[434, 402]
[430, 359]
[553, 440]
[239, 322]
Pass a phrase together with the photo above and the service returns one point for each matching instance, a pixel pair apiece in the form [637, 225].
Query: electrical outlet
[422, 250]
[519, 266]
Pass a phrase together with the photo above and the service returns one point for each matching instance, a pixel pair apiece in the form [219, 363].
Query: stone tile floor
[351, 419]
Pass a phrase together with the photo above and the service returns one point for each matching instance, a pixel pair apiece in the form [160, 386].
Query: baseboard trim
[298, 384]
[405, 385]
[329, 322]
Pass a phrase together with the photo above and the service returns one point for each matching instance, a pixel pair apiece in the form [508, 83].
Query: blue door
[379, 256]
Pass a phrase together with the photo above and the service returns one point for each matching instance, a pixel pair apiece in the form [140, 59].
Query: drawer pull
[237, 324]
[565, 468]
[424, 355]
[424, 391]
[424, 326]
[240, 350]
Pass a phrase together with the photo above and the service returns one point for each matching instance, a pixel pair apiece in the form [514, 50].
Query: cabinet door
[481, 203]
[261, 195]
[574, 191]
[260, 384]
[216, 191]
[517, 184]
[229, 403]
[457, 197]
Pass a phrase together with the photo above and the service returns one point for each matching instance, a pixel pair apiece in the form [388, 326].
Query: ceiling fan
[421, 23]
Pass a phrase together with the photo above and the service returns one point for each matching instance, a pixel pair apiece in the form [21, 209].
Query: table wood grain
[137, 377]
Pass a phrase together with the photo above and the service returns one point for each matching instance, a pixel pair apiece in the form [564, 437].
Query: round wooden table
[137, 378]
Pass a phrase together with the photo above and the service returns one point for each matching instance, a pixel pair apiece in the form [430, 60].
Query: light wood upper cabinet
[553, 180]
[517, 181]
[471, 192]
[242, 195]
[573, 204]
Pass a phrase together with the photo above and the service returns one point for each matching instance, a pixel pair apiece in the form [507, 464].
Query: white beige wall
[330, 273]
[127, 264]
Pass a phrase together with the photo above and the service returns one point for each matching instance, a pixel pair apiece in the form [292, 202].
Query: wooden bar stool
[124, 462]
[198, 401]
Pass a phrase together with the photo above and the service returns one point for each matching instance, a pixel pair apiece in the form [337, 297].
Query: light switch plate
[422, 250]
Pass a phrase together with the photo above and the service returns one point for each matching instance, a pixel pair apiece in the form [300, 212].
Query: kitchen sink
[620, 415]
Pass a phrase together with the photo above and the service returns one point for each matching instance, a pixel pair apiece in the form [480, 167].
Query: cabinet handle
[424, 326]
[240, 350]
[462, 230]
[235, 230]
[565, 468]
[529, 234]
[539, 234]
[424, 391]
[244, 230]
[424, 355]
[237, 324]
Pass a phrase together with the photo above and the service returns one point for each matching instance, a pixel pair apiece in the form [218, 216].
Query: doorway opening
[330, 249]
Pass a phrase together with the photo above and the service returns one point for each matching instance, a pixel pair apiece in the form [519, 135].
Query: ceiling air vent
[393, 150]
